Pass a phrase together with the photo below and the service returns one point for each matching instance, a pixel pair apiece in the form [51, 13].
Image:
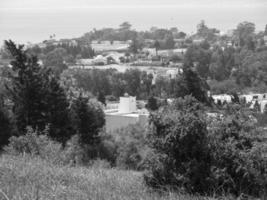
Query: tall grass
[31, 178]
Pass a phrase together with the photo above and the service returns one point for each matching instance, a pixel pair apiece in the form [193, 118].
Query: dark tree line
[38, 100]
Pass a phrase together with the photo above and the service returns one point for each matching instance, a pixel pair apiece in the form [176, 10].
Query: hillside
[33, 178]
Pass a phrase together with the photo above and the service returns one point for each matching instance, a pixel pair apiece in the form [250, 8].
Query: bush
[239, 154]
[131, 147]
[227, 156]
[74, 153]
[129, 156]
[37, 144]
[107, 149]
[178, 138]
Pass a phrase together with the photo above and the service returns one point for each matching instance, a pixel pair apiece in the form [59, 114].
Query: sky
[35, 20]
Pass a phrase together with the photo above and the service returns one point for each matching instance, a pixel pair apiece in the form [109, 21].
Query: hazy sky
[35, 20]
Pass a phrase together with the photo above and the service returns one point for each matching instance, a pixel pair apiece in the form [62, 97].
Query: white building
[126, 114]
[127, 104]
[222, 98]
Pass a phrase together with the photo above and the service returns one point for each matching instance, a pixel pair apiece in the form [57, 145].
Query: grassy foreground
[32, 178]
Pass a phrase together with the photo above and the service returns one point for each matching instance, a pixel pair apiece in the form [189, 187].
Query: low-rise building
[125, 114]
[102, 46]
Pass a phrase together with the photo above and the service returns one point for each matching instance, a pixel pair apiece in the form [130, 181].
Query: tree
[205, 32]
[27, 89]
[181, 34]
[136, 45]
[191, 84]
[101, 98]
[125, 26]
[38, 99]
[238, 153]
[5, 127]
[178, 138]
[256, 106]
[133, 80]
[156, 46]
[169, 41]
[152, 103]
[202, 28]
[87, 119]
[57, 108]
[200, 57]
[56, 60]
[222, 63]
[245, 33]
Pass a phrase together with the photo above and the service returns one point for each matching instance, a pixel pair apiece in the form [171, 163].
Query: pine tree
[58, 111]
[38, 99]
[27, 89]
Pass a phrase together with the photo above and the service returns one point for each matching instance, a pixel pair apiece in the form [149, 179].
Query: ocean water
[35, 25]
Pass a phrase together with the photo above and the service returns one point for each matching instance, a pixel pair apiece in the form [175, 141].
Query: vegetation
[178, 138]
[88, 119]
[227, 155]
[38, 99]
[52, 127]
[32, 177]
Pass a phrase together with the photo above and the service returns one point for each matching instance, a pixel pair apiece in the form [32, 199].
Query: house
[124, 114]
[103, 46]
[68, 42]
[222, 98]
[198, 40]
[165, 53]
[180, 42]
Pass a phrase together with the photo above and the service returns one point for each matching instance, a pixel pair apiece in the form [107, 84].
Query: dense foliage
[226, 155]
[88, 119]
[178, 136]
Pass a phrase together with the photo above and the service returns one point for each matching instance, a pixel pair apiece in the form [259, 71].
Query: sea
[37, 24]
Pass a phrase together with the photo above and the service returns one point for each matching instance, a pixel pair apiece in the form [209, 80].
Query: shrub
[128, 156]
[78, 153]
[107, 149]
[37, 144]
[239, 154]
[178, 138]
[227, 156]
[131, 146]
